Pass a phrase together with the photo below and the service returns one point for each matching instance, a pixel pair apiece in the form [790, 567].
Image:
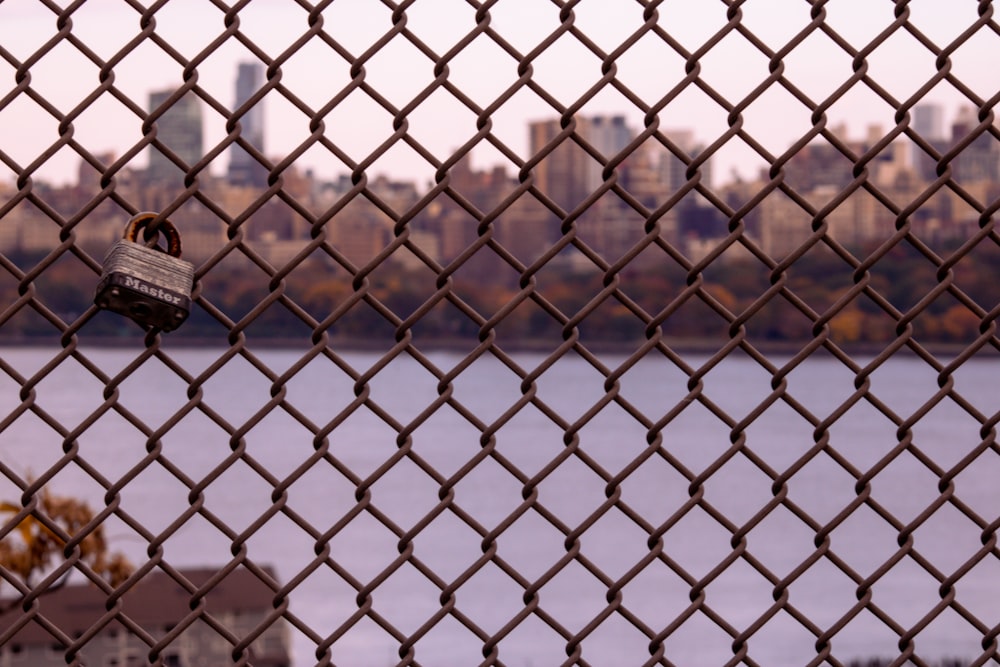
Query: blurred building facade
[632, 188]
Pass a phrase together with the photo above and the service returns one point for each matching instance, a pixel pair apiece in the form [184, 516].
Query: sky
[483, 71]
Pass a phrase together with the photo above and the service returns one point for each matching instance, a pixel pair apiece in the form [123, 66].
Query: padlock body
[146, 285]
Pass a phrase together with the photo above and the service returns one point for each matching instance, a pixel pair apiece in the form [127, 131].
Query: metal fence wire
[597, 406]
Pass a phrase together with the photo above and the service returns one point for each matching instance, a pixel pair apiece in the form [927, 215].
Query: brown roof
[156, 602]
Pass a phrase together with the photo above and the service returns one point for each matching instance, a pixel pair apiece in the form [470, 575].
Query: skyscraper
[243, 168]
[928, 121]
[673, 170]
[180, 132]
[568, 174]
[979, 161]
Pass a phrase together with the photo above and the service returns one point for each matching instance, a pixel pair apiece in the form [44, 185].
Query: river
[693, 434]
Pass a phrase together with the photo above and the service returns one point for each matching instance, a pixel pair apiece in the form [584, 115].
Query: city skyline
[567, 70]
[181, 127]
[651, 180]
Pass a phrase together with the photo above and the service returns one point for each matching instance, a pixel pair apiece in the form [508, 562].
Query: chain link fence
[600, 404]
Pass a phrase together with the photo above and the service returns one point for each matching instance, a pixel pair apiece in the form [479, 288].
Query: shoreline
[699, 346]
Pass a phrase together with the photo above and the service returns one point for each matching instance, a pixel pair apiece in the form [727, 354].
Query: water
[569, 495]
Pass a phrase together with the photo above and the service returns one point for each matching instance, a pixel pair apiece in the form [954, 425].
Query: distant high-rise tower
[609, 134]
[673, 170]
[243, 168]
[568, 174]
[979, 160]
[928, 121]
[180, 131]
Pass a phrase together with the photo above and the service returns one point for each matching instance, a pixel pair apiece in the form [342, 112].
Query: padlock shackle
[142, 220]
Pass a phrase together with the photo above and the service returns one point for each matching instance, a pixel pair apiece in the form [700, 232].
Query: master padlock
[150, 285]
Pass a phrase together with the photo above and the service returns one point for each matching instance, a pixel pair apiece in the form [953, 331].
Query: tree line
[870, 304]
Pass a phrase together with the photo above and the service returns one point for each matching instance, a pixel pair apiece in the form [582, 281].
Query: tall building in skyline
[180, 130]
[928, 121]
[568, 174]
[562, 172]
[610, 135]
[979, 161]
[244, 169]
[673, 170]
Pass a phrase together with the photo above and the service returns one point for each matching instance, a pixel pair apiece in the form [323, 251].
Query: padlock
[150, 285]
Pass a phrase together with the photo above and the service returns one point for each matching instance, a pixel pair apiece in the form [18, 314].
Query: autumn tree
[35, 543]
